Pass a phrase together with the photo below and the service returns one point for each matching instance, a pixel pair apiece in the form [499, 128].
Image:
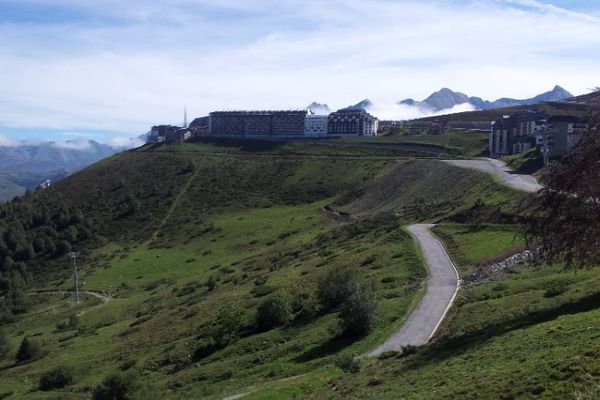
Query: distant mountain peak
[362, 105]
[445, 99]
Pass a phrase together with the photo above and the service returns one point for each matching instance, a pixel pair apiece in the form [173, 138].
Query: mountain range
[447, 99]
[27, 164]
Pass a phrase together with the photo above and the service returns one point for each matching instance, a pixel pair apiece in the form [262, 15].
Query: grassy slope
[477, 245]
[249, 217]
[457, 143]
[527, 333]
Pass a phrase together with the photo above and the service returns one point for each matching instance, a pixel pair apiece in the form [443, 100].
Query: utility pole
[73, 256]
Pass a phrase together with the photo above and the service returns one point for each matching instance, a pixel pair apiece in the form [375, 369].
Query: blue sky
[110, 69]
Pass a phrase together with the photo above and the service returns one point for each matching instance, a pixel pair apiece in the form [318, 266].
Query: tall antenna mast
[185, 124]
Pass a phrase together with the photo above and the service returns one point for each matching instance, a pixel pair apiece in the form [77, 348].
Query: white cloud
[6, 141]
[395, 111]
[129, 75]
[120, 142]
[73, 144]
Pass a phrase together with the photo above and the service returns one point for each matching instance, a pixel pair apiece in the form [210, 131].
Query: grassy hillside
[525, 332]
[454, 143]
[188, 238]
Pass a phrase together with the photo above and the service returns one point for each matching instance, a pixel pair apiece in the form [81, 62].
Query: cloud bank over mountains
[444, 101]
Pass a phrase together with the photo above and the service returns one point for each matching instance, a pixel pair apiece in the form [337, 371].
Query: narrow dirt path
[105, 297]
[442, 285]
[174, 205]
[498, 169]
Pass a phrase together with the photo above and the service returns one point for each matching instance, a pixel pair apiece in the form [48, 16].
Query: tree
[62, 248]
[29, 350]
[563, 218]
[229, 323]
[359, 311]
[336, 286]
[273, 312]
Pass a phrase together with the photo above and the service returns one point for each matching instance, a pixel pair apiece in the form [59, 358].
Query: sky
[108, 70]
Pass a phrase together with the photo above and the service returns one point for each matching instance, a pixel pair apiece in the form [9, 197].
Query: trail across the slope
[99, 295]
[498, 169]
[442, 285]
[174, 205]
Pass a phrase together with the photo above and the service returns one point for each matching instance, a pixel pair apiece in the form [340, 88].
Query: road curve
[497, 168]
[442, 285]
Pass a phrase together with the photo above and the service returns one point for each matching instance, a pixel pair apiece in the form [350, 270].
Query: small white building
[315, 125]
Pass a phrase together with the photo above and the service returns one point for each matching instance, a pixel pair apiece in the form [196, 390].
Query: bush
[29, 350]
[57, 378]
[337, 286]
[347, 363]
[211, 283]
[273, 312]
[229, 323]
[4, 344]
[123, 386]
[359, 311]
[409, 349]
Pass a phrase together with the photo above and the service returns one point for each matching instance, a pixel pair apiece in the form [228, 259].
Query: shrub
[347, 363]
[229, 323]
[123, 386]
[336, 286]
[409, 349]
[273, 312]
[57, 378]
[359, 311]
[29, 350]
[4, 344]
[211, 283]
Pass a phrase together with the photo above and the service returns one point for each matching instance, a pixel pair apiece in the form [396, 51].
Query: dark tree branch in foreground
[564, 222]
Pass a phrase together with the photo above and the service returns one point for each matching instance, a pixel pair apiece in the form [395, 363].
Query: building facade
[199, 126]
[316, 125]
[562, 134]
[168, 134]
[516, 133]
[257, 123]
[352, 122]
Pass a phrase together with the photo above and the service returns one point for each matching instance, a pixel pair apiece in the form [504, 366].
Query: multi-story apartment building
[352, 122]
[315, 125]
[257, 123]
[516, 133]
[562, 134]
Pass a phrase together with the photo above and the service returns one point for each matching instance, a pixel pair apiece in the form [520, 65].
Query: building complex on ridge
[521, 131]
[271, 124]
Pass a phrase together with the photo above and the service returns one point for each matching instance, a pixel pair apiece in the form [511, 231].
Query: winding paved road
[442, 285]
[497, 168]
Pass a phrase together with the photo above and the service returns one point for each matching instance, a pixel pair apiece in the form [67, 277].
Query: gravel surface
[497, 168]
